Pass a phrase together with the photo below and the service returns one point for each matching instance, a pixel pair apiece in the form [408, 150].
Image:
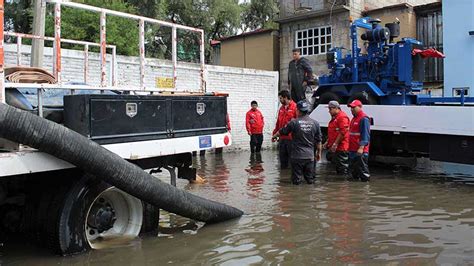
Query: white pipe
[174, 56]
[18, 51]
[103, 50]
[57, 43]
[124, 15]
[141, 44]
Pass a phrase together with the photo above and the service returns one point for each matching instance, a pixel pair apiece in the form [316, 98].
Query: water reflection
[400, 217]
[256, 176]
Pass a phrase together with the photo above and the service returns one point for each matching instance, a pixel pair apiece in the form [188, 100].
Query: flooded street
[401, 217]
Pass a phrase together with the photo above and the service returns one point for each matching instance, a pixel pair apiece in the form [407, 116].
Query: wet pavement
[420, 216]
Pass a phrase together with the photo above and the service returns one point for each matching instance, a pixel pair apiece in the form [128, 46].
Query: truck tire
[151, 218]
[43, 194]
[365, 97]
[325, 98]
[93, 211]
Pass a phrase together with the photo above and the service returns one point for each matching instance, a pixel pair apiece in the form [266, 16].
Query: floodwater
[402, 217]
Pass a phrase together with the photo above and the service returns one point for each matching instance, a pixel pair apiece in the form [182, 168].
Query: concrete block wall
[242, 85]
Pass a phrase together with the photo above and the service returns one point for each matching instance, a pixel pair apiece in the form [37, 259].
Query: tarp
[431, 52]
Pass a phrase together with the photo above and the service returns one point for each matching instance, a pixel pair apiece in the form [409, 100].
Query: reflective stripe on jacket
[354, 133]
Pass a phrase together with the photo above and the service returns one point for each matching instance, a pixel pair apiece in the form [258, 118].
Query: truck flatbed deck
[444, 133]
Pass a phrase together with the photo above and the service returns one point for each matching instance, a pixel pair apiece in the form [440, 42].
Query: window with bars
[314, 41]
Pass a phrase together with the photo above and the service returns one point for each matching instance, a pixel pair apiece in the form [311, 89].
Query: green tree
[218, 18]
[259, 14]
[18, 15]
[149, 8]
[84, 25]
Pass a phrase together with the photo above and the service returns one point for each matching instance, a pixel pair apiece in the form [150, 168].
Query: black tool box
[125, 118]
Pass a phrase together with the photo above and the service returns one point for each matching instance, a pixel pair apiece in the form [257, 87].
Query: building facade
[257, 50]
[315, 26]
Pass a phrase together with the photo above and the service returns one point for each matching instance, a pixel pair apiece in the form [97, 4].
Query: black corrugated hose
[63, 143]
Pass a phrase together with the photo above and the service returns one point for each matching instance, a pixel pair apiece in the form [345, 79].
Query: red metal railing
[19, 42]
[57, 40]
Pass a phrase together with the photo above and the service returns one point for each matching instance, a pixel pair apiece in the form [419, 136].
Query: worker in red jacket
[359, 142]
[254, 122]
[286, 113]
[337, 143]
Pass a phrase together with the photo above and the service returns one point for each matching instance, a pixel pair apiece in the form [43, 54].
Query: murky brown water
[401, 217]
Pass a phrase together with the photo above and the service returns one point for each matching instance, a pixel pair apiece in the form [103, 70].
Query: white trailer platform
[444, 133]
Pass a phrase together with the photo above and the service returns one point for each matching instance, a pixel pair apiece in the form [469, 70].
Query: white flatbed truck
[39, 193]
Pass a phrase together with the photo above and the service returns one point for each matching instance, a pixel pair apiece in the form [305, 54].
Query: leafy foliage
[18, 15]
[259, 14]
[80, 24]
[218, 18]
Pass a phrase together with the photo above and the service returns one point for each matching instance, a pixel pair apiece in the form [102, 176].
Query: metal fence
[57, 40]
[19, 42]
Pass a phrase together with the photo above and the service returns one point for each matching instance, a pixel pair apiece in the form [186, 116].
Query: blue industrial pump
[388, 74]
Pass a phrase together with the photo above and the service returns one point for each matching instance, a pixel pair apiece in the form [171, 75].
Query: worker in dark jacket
[299, 74]
[306, 144]
[359, 142]
[286, 113]
[254, 123]
[337, 143]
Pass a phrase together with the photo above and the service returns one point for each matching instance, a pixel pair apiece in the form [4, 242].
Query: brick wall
[243, 85]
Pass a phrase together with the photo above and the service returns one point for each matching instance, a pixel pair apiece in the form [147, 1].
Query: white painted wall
[242, 85]
[458, 20]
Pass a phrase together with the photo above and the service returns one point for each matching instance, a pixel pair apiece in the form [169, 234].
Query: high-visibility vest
[354, 133]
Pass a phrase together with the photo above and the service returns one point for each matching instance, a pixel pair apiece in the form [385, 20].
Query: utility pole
[37, 46]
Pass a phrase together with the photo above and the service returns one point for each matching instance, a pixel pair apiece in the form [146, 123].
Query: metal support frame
[114, 66]
[40, 102]
[21, 36]
[358, 23]
[141, 44]
[18, 50]
[46, 38]
[174, 53]
[203, 63]
[57, 42]
[104, 12]
[86, 62]
[103, 50]
[172, 171]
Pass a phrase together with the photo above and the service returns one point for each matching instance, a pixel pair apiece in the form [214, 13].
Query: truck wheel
[325, 98]
[44, 194]
[151, 218]
[364, 97]
[94, 213]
